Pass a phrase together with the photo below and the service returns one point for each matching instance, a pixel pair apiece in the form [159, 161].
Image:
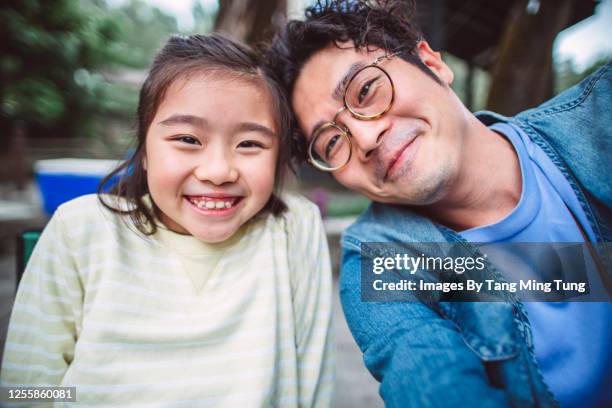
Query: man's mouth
[214, 203]
[396, 157]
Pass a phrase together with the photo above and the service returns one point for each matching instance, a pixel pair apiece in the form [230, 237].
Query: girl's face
[211, 155]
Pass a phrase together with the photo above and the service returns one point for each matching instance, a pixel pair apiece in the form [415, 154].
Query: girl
[194, 284]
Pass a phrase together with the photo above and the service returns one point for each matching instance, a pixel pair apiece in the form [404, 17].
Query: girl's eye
[249, 144]
[188, 139]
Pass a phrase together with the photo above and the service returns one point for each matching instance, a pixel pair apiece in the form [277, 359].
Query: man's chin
[427, 194]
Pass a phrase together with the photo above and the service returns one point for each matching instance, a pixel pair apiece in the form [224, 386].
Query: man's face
[412, 154]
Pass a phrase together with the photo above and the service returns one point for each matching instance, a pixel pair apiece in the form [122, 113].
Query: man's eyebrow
[338, 93]
[341, 87]
[317, 126]
[184, 120]
[255, 127]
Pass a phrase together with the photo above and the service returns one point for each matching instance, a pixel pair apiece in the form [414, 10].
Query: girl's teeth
[210, 205]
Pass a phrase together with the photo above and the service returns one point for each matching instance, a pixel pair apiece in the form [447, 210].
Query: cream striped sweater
[170, 321]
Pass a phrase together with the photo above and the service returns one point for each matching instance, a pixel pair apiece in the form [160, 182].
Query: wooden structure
[488, 32]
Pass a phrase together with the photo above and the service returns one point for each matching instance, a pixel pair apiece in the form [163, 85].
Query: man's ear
[433, 61]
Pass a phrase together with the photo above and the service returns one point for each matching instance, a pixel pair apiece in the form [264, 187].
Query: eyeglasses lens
[369, 93]
[331, 148]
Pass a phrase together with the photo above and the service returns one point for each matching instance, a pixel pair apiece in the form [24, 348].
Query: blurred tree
[143, 30]
[251, 21]
[49, 56]
[566, 73]
[203, 18]
[54, 58]
[525, 51]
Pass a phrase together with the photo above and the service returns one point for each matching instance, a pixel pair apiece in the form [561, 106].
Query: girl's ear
[433, 61]
[144, 163]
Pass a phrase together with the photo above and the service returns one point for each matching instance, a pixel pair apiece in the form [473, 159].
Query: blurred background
[70, 72]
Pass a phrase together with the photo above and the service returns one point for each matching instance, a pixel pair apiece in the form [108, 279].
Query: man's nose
[217, 167]
[367, 135]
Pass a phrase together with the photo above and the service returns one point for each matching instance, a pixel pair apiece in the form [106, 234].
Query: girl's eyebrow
[198, 121]
[184, 119]
[255, 127]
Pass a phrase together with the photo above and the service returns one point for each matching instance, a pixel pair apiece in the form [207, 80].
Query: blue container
[61, 180]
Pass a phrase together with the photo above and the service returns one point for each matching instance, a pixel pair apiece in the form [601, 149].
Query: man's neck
[487, 188]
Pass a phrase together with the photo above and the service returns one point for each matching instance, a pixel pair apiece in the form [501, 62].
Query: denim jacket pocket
[487, 328]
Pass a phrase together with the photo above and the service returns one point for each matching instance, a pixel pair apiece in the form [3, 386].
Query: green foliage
[567, 75]
[203, 17]
[59, 61]
[143, 30]
[50, 53]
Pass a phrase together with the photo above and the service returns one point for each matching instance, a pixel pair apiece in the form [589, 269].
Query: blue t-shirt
[571, 339]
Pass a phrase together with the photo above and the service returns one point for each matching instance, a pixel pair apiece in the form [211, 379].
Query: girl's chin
[214, 237]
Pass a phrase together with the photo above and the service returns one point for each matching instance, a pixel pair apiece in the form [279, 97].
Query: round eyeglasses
[368, 95]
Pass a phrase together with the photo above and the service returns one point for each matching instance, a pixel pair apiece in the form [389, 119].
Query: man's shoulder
[390, 223]
[593, 92]
[573, 129]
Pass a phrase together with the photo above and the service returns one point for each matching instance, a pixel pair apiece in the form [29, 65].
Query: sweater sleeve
[312, 307]
[46, 314]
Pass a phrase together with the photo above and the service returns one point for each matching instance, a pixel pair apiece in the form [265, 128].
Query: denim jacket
[477, 354]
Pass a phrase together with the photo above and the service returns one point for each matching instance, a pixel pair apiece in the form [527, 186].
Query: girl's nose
[217, 169]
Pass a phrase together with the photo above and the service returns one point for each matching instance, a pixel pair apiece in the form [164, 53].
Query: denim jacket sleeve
[419, 358]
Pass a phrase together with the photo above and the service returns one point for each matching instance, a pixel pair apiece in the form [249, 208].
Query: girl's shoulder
[87, 226]
[300, 210]
[88, 206]
[302, 217]
[307, 248]
[296, 203]
[88, 214]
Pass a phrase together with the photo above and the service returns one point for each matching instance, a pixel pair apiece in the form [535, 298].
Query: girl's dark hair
[180, 57]
[369, 24]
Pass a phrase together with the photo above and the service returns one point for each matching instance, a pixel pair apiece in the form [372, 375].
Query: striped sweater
[167, 320]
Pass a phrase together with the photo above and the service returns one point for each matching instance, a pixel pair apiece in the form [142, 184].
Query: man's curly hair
[372, 24]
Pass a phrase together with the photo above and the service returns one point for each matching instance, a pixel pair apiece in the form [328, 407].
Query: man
[374, 106]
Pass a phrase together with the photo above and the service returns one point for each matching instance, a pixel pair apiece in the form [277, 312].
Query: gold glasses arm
[377, 60]
[388, 56]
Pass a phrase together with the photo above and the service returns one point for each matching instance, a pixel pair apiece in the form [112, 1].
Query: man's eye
[188, 139]
[365, 89]
[330, 145]
[249, 144]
